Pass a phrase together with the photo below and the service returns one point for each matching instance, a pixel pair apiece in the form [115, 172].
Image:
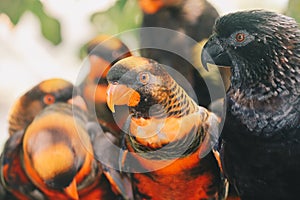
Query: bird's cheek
[134, 99]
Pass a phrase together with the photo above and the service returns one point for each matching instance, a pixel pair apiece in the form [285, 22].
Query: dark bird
[191, 21]
[169, 137]
[37, 98]
[103, 51]
[260, 148]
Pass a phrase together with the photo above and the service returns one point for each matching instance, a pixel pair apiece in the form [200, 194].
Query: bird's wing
[106, 151]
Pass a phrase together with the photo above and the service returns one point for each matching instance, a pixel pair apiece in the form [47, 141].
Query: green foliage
[50, 27]
[124, 15]
[294, 9]
[13, 8]
[83, 51]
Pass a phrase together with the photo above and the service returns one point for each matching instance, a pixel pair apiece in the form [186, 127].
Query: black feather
[261, 141]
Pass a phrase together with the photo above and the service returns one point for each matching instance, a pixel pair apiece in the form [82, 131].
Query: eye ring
[240, 37]
[144, 78]
[49, 99]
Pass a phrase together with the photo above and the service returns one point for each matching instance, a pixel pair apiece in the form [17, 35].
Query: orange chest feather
[182, 179]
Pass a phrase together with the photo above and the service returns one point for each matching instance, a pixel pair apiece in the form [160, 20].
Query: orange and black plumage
[103, 51]
[54, 159]
[191, 22]
[33, 101]
[15, 182]
[169, 136]
[49, 154]
[13, 177]
[59, 157]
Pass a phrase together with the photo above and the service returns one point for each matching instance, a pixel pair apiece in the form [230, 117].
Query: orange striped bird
[103, 51]
[169, 138]
[52, 157]
[13, 178]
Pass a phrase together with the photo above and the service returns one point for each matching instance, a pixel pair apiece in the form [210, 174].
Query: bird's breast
[157, 132]
[184, 178]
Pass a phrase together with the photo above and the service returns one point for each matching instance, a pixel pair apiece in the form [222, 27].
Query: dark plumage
[194, 18]
[166, 133]
[191, 22]
[261, 148]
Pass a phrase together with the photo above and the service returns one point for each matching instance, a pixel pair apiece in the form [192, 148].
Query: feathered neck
[168, 100]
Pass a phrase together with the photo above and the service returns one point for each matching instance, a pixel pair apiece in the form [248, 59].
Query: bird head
[104, 51]
[261, 47]
[57, 150]
[162, 114]
[144, 85]
[48, 92]
[45, 93]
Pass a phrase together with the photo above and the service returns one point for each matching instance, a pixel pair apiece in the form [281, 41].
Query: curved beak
[71, 190]
[214, 53]
[118, 94]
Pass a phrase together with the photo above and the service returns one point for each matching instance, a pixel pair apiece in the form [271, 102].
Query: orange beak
[121, 95]
[71, 190]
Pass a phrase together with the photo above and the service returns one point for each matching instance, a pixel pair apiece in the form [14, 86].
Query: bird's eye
[114, 82]
[49, 99]
[240, 37]
[144, 77]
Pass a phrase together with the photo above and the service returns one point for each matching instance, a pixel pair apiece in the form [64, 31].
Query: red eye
[49, 99]
[240, 37]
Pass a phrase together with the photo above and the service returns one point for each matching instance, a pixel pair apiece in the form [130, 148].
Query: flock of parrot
[130, 130]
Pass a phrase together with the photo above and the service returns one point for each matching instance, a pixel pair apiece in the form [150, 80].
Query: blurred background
[45, 39]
